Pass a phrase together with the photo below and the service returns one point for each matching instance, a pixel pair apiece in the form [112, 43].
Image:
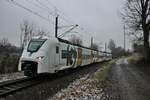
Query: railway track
[12, 86]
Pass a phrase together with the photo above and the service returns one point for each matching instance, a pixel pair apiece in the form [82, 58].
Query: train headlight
[40, 58]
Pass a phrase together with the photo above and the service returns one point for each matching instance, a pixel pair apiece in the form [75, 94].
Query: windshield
[35, 44]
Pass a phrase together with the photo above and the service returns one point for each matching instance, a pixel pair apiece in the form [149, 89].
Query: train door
[79, 58]
[57, 55]
[91, 56]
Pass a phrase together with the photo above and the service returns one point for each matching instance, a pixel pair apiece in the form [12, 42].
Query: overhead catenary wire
[39, 6]
[43, 6]
[57, 10]
[80, 27]
[31, 11]
[63, 34]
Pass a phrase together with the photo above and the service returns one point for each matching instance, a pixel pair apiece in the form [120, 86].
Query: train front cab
[33, 59]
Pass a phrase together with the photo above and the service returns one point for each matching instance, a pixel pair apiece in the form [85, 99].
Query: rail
[12, 86]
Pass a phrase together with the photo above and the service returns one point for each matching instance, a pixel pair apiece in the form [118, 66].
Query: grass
[102, 73]
[135, 58]
[99, 78]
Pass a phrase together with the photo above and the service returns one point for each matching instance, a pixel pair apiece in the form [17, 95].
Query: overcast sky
[99, 18]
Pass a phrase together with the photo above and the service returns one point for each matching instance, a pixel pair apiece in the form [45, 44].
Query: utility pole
[105, 47]
[124, 38]
[56, 26]
[92, 42]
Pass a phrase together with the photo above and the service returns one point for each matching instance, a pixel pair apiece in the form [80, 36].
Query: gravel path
[128, 82]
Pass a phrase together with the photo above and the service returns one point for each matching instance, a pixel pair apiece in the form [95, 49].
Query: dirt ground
[128, 81]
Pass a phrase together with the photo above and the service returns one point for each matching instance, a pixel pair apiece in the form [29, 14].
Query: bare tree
[111, 45]
[137, 16]
[27, 31]
[4, 42]
[94, 46]
[76, 40]
[42, 32]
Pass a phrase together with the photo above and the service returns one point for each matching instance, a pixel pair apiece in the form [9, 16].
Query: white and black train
[49, 55]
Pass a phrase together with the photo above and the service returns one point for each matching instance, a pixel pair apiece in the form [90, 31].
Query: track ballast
[12, 86]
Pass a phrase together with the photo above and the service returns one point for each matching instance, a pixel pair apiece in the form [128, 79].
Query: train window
[35, 44]
[57, 49]
[64, 54]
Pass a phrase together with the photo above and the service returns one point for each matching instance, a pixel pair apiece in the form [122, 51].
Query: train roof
[40, 37]
[68, 42]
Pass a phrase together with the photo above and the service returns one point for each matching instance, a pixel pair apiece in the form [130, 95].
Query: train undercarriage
[29, 68]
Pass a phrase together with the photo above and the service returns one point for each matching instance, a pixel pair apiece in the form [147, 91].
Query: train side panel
[54, 55]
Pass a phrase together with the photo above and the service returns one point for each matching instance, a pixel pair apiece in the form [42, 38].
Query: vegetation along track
[12, 86]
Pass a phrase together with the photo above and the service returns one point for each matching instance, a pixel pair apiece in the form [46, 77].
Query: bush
[135, 59]
[9, 57]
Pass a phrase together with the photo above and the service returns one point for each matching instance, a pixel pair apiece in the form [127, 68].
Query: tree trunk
[146, 45]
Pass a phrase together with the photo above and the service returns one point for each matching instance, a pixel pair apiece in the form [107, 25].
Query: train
[45, 54]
